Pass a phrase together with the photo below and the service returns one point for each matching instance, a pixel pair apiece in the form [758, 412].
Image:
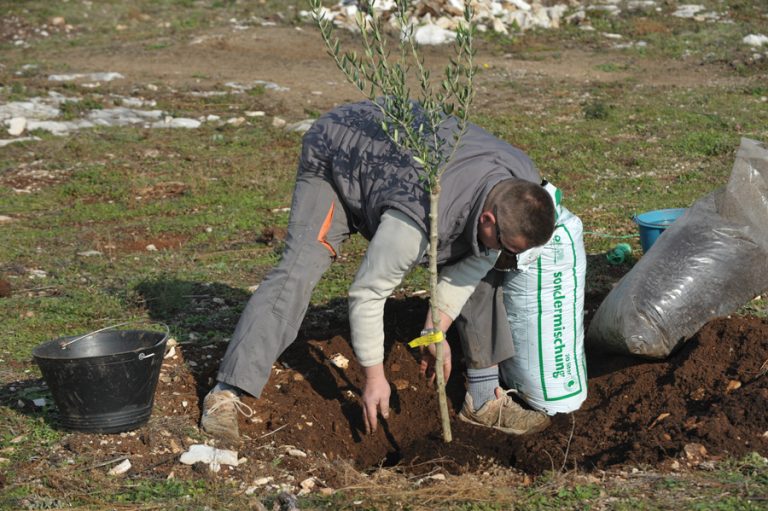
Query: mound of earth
[704, 402]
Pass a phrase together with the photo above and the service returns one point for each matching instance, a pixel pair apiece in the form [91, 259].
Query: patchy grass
[628, 149]
[77, 253]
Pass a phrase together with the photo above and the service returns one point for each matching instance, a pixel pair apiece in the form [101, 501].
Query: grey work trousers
[270, 322]
[483, 326]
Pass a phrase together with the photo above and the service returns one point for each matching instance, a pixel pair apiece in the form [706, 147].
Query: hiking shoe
[219, 419]
[505, 415]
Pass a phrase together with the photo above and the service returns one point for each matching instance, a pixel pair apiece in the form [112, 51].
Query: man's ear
[486, 217]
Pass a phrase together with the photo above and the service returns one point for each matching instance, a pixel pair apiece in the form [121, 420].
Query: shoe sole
[222, 433]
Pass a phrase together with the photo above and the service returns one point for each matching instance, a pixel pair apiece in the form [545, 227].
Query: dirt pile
[704, 402]
[712, 392]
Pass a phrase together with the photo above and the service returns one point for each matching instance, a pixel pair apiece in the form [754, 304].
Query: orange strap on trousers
[321, 236]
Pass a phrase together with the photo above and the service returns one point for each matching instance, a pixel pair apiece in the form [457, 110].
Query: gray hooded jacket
[373, 174]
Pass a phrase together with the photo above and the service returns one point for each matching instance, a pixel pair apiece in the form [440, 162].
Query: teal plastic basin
[652, 223]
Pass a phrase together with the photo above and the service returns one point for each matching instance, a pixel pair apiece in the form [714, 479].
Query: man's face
[490, 236]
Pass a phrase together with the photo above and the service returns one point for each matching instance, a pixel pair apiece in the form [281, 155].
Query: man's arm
[397, 246]
[455, 285]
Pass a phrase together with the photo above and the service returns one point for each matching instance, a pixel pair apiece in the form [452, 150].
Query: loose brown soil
[704, 402]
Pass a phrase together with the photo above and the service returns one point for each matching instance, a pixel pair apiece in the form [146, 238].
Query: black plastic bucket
[105, 381]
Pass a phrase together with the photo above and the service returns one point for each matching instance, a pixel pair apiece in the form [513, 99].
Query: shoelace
[241, 407]
[507, 399]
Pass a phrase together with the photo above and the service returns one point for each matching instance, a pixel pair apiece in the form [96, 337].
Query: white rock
[66, 77]
[455, 6]
[339, 361]
[433, 477]
[255, 113]
[301, 126]
[35, 108]
[261, 481]
[4, 143]
[297, 453]
[171, 352]
[446, 23]
[640, 4]
[433, 35]
[122, 116]
[257, 83]
[37, 274]
[151, 248]
[39, 402]
[16, 126]
[58, 128]
[611, 10]
[121, 468]
[499, 27]
[752, 40]
[211, 118]
[105, 77]
[177, 122]
[687, 10]
[521, 4]
[200, 453]
[136, 102]
[555, 14]
[384, 5]
[4, 219]
[89, 253]
[308, 484]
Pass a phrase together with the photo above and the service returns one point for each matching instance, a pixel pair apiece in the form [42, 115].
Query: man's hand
[428, 359]
[375, 397]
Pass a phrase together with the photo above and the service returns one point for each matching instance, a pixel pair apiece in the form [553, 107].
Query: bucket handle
[65, 345]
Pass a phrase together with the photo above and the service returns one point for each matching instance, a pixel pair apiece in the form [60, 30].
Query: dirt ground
[295, 58]
[702, 403]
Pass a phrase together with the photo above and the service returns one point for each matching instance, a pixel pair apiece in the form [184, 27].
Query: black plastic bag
[708, 263]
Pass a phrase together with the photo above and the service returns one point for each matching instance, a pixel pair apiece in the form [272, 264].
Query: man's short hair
[522, 208]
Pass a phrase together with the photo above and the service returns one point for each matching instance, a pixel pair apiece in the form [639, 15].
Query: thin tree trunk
[434, 196]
